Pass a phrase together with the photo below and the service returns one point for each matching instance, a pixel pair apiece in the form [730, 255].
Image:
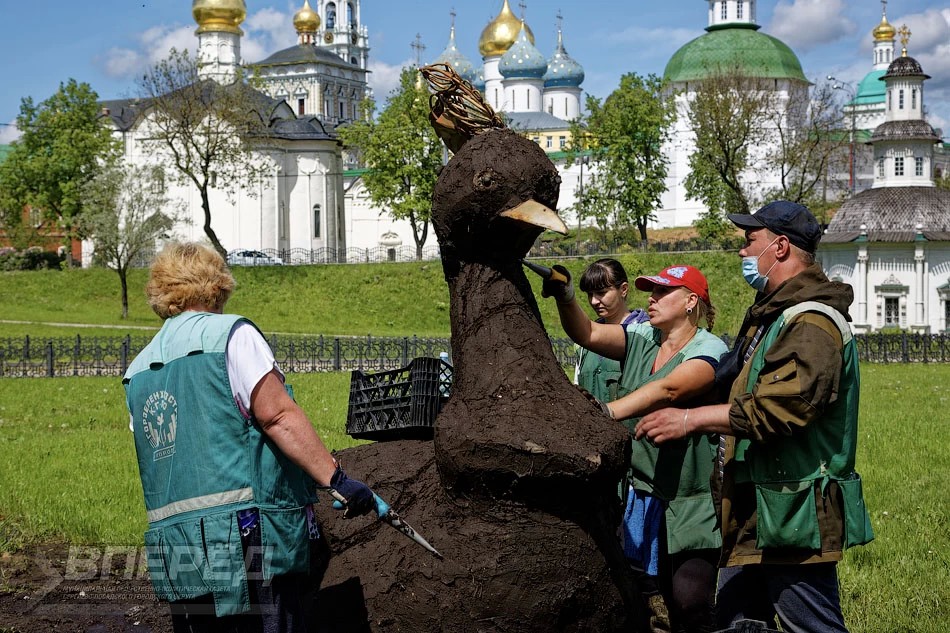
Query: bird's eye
[486, 179]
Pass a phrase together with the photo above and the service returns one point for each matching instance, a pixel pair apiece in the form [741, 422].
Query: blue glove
[358, 496]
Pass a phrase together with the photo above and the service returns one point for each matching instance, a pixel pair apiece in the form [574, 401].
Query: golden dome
[501, 33]
[219, 15]
[306, 20]
[884, 32]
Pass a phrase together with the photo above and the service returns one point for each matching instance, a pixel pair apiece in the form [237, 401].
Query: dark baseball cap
[782, 217]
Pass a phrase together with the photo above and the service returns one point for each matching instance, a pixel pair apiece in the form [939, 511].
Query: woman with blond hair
[670, 531]
[229, 462]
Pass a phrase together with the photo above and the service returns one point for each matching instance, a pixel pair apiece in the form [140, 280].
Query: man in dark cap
[791, 502]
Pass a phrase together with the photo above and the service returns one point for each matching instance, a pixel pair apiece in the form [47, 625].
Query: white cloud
[9, 133]
[384, 78]
[807, 24]
[154, 45]
[266, 32]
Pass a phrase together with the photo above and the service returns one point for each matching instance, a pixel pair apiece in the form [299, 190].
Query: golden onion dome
[219, 15]
[884, 32]
[501, 33]
[306, 20]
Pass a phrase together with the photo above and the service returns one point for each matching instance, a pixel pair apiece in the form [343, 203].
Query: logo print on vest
[160, 422]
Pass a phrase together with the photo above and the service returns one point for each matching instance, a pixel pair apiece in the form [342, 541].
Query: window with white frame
[724, 13]
[549, 142]
[919, 166]
[891, 303]
[943, 293]
[913, 98]
[561, 142]
[900, 99]
[880, 167]
[739, 9]
[899, 166]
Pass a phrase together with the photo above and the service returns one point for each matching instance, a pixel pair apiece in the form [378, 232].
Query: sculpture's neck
[496, 324]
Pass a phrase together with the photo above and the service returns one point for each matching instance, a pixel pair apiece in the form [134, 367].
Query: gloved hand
[599, 404]
[358, 496]
[554, 286]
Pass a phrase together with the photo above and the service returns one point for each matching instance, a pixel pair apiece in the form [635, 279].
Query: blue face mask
[750, 271]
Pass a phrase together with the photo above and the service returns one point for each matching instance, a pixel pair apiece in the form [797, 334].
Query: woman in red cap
[670, 530]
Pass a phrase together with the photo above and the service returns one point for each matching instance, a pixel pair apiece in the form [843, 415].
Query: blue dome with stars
[563, 70]
[454, 58]
[523, 60]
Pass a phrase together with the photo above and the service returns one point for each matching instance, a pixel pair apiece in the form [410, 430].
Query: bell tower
[342, 31]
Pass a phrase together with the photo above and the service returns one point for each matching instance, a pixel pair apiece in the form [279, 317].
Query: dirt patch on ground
[56, 587]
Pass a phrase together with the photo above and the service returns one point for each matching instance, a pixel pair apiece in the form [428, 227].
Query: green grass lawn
[68, 472]
[401, 299]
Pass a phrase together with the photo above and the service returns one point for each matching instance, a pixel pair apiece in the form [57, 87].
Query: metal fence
[407, 253]
[110, 356]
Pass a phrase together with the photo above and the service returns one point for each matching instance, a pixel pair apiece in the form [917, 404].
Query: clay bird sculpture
[519, 488]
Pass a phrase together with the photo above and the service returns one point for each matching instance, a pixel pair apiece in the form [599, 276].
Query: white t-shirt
[249, 359]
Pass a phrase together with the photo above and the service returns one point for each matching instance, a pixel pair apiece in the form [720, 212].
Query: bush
[33, 258]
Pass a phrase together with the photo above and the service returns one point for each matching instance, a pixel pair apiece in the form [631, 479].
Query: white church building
[891, 242]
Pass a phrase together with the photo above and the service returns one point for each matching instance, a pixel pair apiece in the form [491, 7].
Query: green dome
[760, 55]
[871, 89]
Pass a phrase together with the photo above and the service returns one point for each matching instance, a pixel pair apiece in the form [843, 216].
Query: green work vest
[201, 461]
[787, 474]
[676, 472]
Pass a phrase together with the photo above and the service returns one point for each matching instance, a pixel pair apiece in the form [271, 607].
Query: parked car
[243, 257]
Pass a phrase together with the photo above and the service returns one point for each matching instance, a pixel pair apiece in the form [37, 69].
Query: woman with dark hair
[670, 531]
[606, 285]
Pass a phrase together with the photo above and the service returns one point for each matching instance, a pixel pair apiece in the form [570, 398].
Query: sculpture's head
[494, 198]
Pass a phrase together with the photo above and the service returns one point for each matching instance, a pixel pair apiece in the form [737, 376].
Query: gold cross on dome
[904, 32]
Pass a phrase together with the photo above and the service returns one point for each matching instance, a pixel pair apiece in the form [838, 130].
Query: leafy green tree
[624, 136]
[403, 154]
[64, 144]
[128, 210]
[208, 132]
[812, 135]
[729, 115]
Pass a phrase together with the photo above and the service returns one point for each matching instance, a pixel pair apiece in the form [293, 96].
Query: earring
[689, 310]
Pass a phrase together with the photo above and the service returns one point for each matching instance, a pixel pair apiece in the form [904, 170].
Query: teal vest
[789, 473]
[201, 461]
[676, 472]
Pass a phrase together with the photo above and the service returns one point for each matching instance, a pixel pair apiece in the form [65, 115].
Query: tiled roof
[304, 54]
[891, 214]
[531, 121]
[302, 129]
[905, 67]
[904, 130]
[719, 50]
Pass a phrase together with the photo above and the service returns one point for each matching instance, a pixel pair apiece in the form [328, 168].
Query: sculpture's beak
[534, 213]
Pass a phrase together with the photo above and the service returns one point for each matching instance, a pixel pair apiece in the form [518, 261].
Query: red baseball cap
[675, 276]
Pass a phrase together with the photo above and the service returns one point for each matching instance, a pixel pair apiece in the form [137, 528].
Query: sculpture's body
[519, 489]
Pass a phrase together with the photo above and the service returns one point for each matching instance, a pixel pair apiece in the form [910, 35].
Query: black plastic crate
[398, 404]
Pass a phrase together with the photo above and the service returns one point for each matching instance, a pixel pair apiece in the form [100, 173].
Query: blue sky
[109, 42]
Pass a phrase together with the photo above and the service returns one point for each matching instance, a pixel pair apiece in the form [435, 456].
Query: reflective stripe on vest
[200, 503]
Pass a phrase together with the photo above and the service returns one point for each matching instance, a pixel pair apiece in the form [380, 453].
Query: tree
[403, 153]
[63, 146]
[129, 210]
[728, 114]
[625, 135]
[744, 128]
[811, 133]
[207, 131]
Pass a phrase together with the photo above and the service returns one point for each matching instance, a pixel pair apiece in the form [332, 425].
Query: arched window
[351, 15]
[316, 220]
[331, 15]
